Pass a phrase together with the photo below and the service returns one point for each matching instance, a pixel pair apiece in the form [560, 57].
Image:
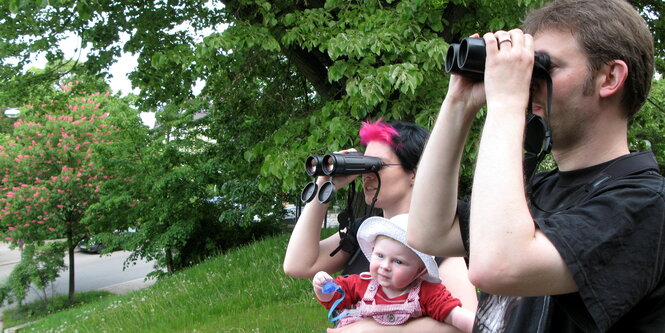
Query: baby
[402, 283]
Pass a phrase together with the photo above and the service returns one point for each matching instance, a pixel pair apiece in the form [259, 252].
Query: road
[92, 273]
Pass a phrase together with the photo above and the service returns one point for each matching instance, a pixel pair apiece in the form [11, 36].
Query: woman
[399, 145]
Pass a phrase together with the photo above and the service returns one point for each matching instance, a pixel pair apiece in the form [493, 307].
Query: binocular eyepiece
[352, 163]
[468, 58]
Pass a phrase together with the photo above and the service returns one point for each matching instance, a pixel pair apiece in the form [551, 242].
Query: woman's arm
[416, 325]
[306, 253]
[455, 276]
[462, 319]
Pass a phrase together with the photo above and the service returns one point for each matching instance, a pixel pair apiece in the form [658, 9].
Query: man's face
[573, 88]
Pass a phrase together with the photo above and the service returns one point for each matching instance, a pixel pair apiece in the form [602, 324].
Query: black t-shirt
[610, 231]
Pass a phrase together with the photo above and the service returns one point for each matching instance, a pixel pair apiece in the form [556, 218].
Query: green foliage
[175, 177]
[51, 165]
[294, 76]
[50, 173]
[648, 125]
[281, 80]
[38, 268]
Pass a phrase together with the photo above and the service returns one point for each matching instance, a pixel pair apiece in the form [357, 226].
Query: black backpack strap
[626, 165]
[623, 166]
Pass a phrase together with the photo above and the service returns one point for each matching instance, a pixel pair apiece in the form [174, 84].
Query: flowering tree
[49, 170]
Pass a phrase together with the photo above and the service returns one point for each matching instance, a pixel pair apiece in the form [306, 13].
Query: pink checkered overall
[384, 314]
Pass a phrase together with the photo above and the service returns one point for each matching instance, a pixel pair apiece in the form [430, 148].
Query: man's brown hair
[606, 30]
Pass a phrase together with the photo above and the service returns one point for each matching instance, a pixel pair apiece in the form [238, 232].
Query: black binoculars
[468, 58]
[353, 163]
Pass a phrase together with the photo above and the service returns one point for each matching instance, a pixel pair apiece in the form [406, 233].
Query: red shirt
[435, 300]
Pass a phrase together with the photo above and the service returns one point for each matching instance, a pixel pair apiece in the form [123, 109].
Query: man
[582, 250]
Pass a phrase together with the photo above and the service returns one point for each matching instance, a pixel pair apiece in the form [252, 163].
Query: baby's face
[393, 265]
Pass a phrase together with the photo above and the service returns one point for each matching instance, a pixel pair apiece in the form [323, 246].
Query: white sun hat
[394, 228]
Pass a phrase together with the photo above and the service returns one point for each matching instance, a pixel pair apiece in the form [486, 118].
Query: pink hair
[377, 131]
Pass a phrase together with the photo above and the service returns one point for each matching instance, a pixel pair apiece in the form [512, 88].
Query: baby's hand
[319, 279]
[317, 282]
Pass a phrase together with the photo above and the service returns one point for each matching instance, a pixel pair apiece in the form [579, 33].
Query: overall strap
[371, 290]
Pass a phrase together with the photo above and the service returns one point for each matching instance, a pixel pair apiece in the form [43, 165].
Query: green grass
[244, 290]
[36, 310]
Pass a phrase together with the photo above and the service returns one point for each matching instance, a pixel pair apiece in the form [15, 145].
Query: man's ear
[612, 77]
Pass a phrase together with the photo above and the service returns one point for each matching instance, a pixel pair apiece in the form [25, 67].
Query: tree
[283, 79]
[50, 172]
[38, 268]
[648, 125]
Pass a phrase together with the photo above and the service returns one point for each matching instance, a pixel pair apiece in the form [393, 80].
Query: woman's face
[396, 183]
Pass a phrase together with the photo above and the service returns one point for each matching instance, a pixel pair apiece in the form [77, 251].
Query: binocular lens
[328, 164]
[468, 59]
[451, 59]
[313, 166]
[471, 55]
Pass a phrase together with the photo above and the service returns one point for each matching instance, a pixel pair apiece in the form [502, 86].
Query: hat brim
[394, 228]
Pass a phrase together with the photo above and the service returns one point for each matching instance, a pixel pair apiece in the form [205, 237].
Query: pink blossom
[51, 228]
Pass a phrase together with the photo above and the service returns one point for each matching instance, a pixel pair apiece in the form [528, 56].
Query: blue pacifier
[330, 287]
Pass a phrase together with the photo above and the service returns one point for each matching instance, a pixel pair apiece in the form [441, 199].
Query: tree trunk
[169, 260]
[70, 249]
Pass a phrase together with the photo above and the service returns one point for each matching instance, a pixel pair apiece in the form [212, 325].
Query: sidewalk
[129, 286]
[7, 256]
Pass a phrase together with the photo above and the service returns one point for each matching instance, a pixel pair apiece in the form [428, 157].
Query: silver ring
[505, 39]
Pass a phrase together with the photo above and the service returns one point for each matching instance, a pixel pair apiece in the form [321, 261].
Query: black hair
[410, 143]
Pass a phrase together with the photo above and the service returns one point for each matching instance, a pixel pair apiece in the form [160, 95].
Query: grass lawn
[244, 290]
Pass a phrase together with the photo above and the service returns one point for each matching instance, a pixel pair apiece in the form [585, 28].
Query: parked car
[88, 246]
[290, 214]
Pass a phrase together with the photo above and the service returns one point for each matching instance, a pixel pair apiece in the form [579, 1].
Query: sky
[71, 47]
[119, 82]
